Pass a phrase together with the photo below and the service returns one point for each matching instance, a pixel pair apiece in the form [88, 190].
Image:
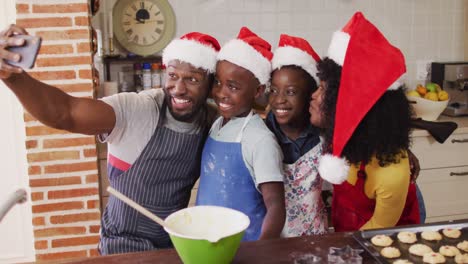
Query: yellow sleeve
[389, 187]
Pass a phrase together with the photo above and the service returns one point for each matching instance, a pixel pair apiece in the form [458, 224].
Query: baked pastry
[431, 235]
[402, 261]
[451, 232]
[390, 252]
[449, 251]
[463, 245]
[461, 258]
[419, 249]
[381, 240]
[407, 237]
[433, 258]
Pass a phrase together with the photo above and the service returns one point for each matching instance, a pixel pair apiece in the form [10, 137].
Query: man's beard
[188, 117]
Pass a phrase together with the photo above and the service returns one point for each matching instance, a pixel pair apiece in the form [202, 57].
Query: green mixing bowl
[193, 227]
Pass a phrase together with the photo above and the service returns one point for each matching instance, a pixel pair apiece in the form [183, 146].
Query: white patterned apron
[305, 211]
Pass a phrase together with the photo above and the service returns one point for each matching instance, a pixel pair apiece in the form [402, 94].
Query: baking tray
[364, 237]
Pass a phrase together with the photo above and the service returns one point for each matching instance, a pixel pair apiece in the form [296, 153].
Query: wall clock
[143, 27]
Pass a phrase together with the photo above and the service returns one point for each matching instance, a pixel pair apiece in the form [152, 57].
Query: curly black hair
[384, 130]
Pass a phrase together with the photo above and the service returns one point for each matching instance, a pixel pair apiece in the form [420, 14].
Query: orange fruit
[421, 90]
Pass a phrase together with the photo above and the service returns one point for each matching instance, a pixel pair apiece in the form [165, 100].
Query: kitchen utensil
[200, 234]
[19, 196]
[224, 228]
[137, 207]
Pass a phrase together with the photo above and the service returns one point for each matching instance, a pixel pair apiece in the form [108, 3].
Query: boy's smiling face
[234, 90]
[289, 96]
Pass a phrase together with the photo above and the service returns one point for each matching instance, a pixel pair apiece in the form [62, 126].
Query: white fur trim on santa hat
[338, 47]
[333, 169]
[398, 83]
[193, 52]
[288, 55]
[242, 54]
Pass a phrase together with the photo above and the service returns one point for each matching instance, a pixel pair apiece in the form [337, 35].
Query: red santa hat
[251, 52]
[198, 49]
[370, 67]
[295, 51]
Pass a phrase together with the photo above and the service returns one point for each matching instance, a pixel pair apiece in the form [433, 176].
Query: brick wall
[62, 166]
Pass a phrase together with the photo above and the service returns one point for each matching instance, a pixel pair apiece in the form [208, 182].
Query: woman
[365, 118]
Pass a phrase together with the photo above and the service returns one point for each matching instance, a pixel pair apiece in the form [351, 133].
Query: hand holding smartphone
[28, 51]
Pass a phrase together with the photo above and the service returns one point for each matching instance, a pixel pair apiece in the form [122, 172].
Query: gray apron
[160, 180]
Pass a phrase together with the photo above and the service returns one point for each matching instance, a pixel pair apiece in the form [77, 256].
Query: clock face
[143, 22]
[143, 26]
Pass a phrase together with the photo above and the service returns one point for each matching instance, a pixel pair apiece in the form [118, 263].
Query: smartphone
[28, 51]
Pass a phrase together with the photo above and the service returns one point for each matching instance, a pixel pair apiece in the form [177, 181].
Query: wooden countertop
[267, 251]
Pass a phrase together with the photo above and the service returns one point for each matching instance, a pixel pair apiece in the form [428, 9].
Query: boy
[241, 160]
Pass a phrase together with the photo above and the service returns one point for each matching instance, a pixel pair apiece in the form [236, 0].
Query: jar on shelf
[155, 75]
[163, 75]
[137, 77]
[146, 76]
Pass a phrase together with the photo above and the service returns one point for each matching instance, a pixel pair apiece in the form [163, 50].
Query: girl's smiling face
[289, 96]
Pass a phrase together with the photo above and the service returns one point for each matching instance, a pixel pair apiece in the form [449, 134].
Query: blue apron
[160, 180]
[226, 181]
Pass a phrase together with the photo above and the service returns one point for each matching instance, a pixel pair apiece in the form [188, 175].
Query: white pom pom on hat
[333, 169]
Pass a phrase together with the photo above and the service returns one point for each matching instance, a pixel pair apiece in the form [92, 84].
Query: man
[154, 138]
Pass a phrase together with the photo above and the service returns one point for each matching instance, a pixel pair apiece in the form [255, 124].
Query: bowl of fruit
[428, 101]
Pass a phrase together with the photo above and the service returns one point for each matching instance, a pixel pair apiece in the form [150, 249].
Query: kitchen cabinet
[443, 179]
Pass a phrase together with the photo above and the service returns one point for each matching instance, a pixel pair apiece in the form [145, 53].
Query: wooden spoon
[137, 207]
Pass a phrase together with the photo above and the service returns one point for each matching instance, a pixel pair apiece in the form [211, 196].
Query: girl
[293, 81]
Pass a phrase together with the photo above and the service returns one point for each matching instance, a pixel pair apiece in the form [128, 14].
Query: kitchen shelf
[108, 61]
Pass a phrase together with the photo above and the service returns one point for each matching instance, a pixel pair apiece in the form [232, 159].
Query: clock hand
[143, 21]
[142, 15]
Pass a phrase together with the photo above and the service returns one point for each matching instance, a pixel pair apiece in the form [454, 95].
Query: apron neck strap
[219, 121]
[246, 121]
